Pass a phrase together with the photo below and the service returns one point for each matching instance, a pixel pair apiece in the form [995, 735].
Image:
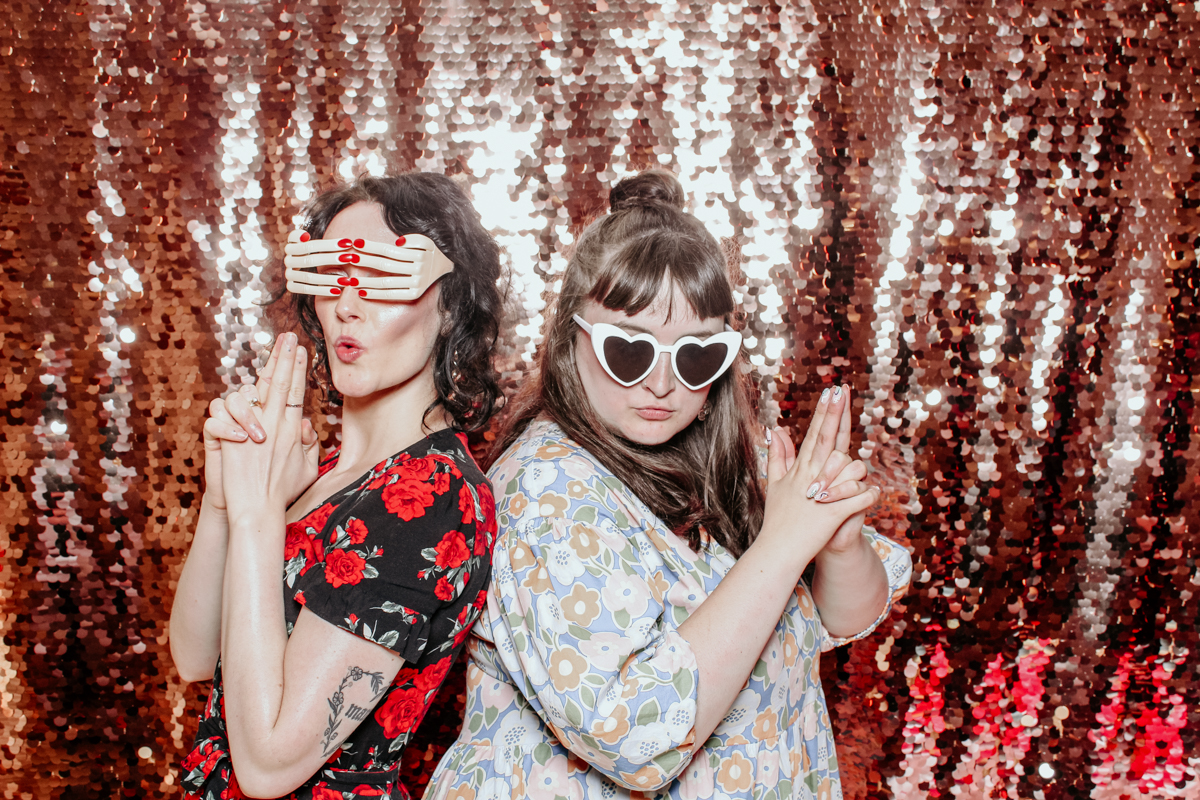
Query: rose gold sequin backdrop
[983, 216]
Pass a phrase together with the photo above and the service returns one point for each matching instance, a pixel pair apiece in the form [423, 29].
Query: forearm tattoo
[330, 740]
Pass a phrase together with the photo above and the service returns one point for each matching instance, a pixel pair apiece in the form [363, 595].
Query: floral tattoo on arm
[337, 703]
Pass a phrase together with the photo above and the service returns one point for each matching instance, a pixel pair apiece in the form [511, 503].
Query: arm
[751, 598]
[850, 586]
[195, 624]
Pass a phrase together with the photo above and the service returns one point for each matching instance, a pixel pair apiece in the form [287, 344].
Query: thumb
[308, 435]
[776, 455]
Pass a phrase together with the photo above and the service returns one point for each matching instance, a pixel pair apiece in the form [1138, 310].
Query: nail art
[812, 490]
[304, 237]
[822, 495]
[824, 399]
[837, 392]
[768, 437]
[345, 243]
[359, 243]
[400, 242]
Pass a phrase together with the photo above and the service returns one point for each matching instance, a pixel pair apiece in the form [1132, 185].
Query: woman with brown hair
[327, 602]
[648, 625]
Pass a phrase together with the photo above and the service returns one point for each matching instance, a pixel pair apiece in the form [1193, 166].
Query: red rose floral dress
[401, 557]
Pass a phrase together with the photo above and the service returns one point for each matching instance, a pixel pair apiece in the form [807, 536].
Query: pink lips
[348, 350]
[654, 414]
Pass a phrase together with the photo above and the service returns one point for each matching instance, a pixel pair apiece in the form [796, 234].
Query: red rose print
[367, 791]
[401, 712]
[233, 791]
[432, 676]
[377, 481]
[344, 567]
[487, 504]
[322, 792]
[419, 468]
[408, 498]
[441, 483]
[357, 530]
[452, 550]
[299, 597]
[466, 504]
[443, 590]
[318, 518]
[353, 618]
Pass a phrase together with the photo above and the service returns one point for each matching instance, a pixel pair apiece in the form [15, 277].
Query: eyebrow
[699, 334]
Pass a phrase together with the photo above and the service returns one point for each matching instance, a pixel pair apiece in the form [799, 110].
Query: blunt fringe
[471, 301]
[706, 476]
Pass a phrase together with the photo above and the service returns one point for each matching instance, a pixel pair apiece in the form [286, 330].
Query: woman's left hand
[277, 471]
[843, 477]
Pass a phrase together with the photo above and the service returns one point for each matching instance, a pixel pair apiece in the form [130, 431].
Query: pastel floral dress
[401, 557]
[580, 686]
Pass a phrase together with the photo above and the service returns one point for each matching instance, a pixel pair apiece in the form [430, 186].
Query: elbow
[258, 780]
[191, 674]
[190, 668]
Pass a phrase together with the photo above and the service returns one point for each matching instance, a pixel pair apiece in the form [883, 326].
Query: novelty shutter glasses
[628, 359]
[311, 266]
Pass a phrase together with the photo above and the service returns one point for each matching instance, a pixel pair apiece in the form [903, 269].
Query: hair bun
[654, 187]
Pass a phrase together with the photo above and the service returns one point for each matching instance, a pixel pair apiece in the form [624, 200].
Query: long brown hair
[706, 475]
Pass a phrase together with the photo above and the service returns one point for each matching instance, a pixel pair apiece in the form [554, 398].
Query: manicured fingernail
[289, 341]
[348, 258]
[359, 243]
[400, 242]
[239, 435]
[335, 291]
[304, 237]
[768, 437]
[345, 243]
[824, 399]
[837, 392]
[822, 496]
[812, 490]
[362, 292]
[259, 434]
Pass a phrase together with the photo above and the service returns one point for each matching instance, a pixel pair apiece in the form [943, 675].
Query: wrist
[843, 553]
[210, 503]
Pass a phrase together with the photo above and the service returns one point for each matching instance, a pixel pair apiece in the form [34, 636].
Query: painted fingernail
[362, 292]
[259, 433]
[822, 496]
[348, 258]
[304, 237]
[239, 435]
[768, 437]
[347, 281]
[824, 399]
[345, 243]
[837, 392]
[335, 291]
[400, 242]
[359, 243]
[812, 490]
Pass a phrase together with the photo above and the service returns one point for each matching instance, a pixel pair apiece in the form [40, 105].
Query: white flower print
[563, 564]
[625, 593]
[605, 650]
[644, 742]
[538, 476]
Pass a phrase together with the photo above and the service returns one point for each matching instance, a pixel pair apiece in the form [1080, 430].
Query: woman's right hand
[813, 492]
[234, 418]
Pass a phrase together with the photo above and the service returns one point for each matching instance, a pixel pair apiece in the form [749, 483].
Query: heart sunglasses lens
[627, 360]
[697, 364]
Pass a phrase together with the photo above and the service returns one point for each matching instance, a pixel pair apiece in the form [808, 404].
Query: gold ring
[254, 401]
[294, 405]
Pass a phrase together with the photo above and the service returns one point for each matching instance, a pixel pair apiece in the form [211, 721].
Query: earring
[703, 415]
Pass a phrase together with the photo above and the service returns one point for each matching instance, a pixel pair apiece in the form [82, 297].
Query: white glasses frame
[600, 331]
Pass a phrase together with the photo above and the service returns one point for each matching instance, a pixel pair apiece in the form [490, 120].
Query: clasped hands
[260, 450]
[819, 490]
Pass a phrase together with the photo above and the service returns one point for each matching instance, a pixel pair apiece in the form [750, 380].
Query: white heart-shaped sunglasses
[628, 359]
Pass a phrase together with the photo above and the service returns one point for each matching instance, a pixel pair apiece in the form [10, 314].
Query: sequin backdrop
[983, 216]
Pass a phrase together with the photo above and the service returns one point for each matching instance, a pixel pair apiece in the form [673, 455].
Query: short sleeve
[897, 563]
[582, 607]
[401, 553]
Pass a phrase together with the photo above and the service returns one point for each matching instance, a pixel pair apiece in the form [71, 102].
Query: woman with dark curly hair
[383, 548]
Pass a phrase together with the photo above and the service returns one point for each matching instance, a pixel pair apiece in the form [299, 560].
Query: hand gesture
[276, 471]
[234, 419]
[821, 469]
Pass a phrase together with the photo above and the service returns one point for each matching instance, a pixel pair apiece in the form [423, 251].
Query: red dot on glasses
[345, 243]
[400, 242]
[335, 291]
[304, 237]
[345, 281]
[362, 292]
[359, 243]
[348, 258]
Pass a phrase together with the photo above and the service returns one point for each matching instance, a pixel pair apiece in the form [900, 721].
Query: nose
[661, 380]
[349, 304]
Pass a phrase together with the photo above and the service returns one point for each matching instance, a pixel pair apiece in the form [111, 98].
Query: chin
[650, 434]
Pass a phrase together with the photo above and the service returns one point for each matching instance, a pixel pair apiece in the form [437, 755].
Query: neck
[382, 424]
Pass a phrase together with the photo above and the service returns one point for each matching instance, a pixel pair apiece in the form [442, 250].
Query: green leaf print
[583, 634]
[613, 483]
[668, 761]
[542, 753]
[621, 618]
[622, 521]
[513, 486]
[490, 714]
[475, 722]
[573, 712]
[683, 683]
[649, 712]
[760, 670]
[586, 515]
[429, 554]
[587, 697]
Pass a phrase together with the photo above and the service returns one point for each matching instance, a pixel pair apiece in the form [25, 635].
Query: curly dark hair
[471, 299]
